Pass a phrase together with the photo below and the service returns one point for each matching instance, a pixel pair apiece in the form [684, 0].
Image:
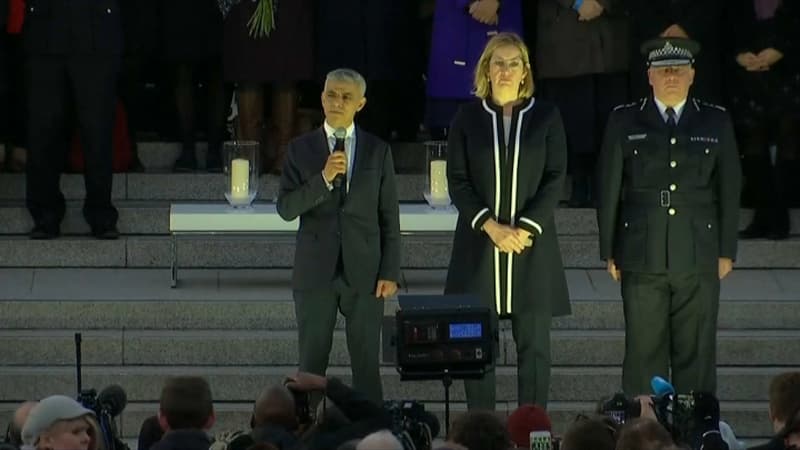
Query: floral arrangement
[262, 22]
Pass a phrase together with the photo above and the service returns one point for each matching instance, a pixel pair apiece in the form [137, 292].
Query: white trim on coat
[496, 201]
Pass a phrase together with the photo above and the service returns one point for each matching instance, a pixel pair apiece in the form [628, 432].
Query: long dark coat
[567, 47]
[522, 189]
[457, 43]
[374, 37]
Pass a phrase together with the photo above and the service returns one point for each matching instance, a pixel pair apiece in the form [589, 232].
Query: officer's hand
[769, 56]
[335, 165]
[385, 289]
[674, 31]
[725, 267]
[504, 237]
[612, 270]
[589, 10]
[749, 61]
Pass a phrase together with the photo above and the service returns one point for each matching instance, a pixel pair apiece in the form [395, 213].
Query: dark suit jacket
[73, 27]
[636, 166]
[366, 227]
[183, 440]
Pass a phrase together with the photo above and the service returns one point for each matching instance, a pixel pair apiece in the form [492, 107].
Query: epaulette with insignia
[712, 105]
[626, 105]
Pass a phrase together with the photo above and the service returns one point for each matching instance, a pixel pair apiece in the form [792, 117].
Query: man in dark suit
[668, 212]
[348, 246]
[73, 49]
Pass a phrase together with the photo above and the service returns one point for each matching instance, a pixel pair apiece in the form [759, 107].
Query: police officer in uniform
[73, 49]
[668, 211]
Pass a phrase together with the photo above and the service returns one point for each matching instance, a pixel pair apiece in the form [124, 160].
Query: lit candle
[439, 180]
[240, 178]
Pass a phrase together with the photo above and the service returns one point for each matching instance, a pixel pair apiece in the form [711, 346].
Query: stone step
[243, 383]
[278, 252]
[749, 420]
[147, 217]
[113, 299]
[253, 347]
[409, 157]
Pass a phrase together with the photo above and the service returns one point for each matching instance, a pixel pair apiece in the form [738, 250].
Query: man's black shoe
[41, 232]
[109, 233]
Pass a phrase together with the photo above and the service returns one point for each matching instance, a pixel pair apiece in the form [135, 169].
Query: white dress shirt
[662, 109]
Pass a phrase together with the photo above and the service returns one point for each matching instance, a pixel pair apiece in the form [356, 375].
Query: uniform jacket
[73, 27]
[457, 43]
[668, 203]
[567, 47]
[366, 227]
[521, 189]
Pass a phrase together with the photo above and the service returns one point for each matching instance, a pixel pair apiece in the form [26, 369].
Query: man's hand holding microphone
[335, 169]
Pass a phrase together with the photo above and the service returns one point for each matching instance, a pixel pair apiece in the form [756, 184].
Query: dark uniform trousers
[56, 82]
[670, 317]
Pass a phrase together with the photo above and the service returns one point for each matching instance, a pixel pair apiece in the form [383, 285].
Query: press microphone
[113, 399]
[661, 387]
[339, 134]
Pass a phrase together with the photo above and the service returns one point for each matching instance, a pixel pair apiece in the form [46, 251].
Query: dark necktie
[671, 118]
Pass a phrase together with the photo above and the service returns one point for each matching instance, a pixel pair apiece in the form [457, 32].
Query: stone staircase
[232, 319]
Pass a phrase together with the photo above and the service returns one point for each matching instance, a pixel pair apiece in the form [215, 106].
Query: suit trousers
[316, 311]
[531, 332]
[56, 82]
[670, 321]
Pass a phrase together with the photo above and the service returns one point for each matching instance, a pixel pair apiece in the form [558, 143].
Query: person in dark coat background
[506, 165]
[185, 413]
[377, 39]
[582, 66]
[699, 20]
[765, 104]
[279, 60]
[73, 49]
[668, 213]
[451, 68]
[191, 33]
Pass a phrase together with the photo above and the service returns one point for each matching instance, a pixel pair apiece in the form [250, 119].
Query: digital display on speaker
[465, 330]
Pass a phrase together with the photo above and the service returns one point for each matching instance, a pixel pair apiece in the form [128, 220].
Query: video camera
[685, 416]
[411, 424]
[106, 405]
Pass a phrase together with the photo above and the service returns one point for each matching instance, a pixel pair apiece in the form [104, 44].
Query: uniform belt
[666, 198]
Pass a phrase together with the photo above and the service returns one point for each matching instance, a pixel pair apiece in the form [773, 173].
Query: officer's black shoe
[43, 232]
[187, 162]
[108, 233]
[756, 230]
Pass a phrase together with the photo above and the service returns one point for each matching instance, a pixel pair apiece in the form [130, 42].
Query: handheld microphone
[661, 387]
[339, 134]
[113, 399]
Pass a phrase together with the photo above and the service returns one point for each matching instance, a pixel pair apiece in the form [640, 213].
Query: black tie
[671, 118]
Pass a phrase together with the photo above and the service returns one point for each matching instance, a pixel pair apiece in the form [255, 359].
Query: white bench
[219, 219]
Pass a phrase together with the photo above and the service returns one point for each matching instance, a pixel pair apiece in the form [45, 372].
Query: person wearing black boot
[766, 108]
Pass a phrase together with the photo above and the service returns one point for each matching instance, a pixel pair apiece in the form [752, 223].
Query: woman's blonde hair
[483, 86]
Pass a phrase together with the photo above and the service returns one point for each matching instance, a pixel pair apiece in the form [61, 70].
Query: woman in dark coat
[765, 104]
[507, 160]
[191, 45]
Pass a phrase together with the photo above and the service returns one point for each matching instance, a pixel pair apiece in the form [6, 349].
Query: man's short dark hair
[591, 433]
[480, 430]
[643, 434]
[784, 396]
[186, 402]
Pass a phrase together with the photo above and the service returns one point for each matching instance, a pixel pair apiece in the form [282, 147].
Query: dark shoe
[756, 230]
[111, 233]
[41, 232]
[187, 162]
[213, 162]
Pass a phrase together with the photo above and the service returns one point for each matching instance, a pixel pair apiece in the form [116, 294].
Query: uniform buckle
[666, 200]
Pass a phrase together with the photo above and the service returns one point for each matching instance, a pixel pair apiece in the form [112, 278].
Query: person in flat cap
[60, 423]
[668, 212]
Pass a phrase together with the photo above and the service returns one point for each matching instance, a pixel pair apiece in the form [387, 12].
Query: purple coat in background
[457, 43]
